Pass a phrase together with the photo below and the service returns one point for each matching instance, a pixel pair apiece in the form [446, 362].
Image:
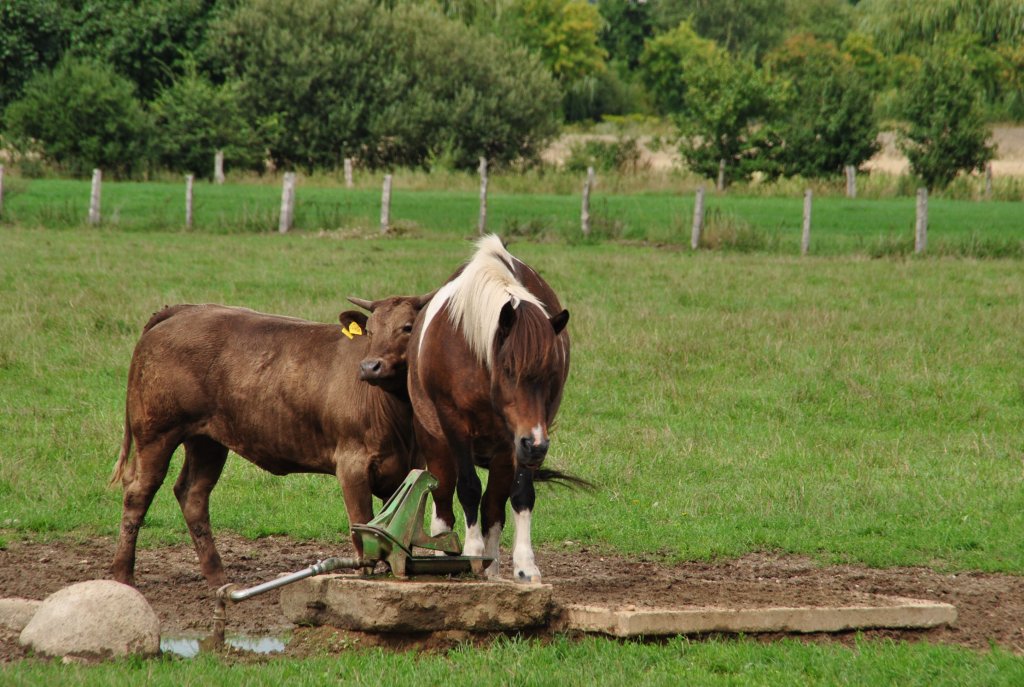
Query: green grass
[563, 662]
[840, 407]
[745, 223]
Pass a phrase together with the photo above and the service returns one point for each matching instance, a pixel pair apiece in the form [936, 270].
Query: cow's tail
[124, 459]
[563, 479]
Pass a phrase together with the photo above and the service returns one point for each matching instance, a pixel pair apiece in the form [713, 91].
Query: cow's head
[388, 329]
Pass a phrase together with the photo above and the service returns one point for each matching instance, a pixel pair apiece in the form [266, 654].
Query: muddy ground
[990, 606]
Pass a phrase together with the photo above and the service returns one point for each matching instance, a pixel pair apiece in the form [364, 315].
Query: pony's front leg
[437, 457]
[523, 498]
[499, 487]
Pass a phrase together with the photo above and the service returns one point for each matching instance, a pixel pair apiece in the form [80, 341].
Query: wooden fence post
[698, 219]
[585, 210]
[921, 227]
[348, 172]
[851, 181]
[189, 180]
[287, 203]
[481, 224]
[805, 237]
[94, 197]
[988, 181]
[720, 184]
[385, 205]
[218, 167]
[1, 190]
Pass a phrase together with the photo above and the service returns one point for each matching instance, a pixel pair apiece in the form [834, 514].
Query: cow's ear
[559, 321]
[349, 316]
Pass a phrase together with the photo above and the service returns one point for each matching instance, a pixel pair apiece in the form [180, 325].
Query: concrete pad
[392, 605]
[15, 613]
[880, 612]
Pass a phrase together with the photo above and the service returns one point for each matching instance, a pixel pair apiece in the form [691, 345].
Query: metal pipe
[327, 565]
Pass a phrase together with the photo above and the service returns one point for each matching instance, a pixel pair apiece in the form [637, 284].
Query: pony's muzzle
[530, 453]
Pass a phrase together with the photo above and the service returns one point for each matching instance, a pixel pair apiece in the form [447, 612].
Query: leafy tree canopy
[946, 132]
[563, 32]
[33, 36]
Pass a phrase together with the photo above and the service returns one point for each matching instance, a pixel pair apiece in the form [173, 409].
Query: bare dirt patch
[990, 606]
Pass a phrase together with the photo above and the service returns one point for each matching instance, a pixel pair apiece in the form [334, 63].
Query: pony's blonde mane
[475, 297]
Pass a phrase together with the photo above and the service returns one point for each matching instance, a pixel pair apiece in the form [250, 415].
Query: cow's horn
[361, 302]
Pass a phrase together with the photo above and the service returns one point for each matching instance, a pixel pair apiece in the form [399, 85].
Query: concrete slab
[877, 612]
[392, 605]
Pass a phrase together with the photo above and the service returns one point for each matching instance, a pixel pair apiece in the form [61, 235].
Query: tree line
[769, 87]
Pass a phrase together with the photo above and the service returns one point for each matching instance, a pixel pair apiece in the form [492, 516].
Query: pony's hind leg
[523, 498]
[140, 483]
[204, 461]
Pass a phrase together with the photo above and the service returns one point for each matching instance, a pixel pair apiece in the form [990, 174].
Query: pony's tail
[124, 458]
[562, 479]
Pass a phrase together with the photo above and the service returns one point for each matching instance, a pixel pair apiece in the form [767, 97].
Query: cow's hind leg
[142, 479]
[204, 461]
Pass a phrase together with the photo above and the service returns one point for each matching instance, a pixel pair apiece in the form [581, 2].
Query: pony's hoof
[523, 577]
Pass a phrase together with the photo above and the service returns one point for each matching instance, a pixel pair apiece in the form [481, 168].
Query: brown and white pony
[488, 359]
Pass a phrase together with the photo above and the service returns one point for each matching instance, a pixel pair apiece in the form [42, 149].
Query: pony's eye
[407, 328]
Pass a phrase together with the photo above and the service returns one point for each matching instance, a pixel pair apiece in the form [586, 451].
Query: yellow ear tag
[352, 330]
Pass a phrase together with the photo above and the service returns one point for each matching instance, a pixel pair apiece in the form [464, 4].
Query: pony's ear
[506, 319]
[559, 321]
[349, 316]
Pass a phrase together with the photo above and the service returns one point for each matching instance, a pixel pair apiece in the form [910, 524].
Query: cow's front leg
[352, 469]
[523, 498]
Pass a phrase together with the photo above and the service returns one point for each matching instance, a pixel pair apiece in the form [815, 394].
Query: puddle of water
[189, 647]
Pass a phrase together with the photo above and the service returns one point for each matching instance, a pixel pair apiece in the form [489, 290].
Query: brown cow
[281, 392]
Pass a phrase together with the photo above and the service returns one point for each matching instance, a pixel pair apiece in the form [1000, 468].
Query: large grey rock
[414, 606]
[97, 619]
[15, 613]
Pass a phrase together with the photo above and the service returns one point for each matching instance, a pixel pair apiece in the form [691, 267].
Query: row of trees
[779, 87]
[303, 83]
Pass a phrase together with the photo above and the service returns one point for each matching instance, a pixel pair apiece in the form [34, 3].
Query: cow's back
[279, 391]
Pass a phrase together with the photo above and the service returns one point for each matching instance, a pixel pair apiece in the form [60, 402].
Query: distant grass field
[839, 407]
[874, 226]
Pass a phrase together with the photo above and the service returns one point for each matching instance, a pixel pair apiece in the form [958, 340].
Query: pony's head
[531, 362]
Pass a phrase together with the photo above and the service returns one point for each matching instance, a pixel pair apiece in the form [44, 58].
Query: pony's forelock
[475, 297]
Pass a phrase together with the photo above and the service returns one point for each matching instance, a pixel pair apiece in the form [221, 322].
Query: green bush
[619, 155]
[193, 119]
[80, 116]
[400, 87]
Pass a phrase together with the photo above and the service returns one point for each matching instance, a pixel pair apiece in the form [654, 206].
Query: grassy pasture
[872, 226]
[835, 406]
